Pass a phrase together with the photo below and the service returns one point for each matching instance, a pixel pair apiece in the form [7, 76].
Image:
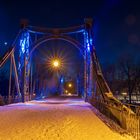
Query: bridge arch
[72, 41]
[75, 43]
[28, 44]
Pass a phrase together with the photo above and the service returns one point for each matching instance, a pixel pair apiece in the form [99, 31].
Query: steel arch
[72, 41]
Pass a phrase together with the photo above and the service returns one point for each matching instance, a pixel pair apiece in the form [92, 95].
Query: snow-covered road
[54, 119]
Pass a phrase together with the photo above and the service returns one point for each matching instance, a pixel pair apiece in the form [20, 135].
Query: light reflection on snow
[29, 104]
[47, 104]
[50, 118]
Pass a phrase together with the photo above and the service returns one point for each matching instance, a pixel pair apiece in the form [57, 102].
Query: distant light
[66, 91]
[69, 93]
[124, 94]
[62, 80]
[91, 41]
[70, 85]
[5, 43]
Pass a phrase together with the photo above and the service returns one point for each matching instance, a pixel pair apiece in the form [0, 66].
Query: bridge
[95, 89]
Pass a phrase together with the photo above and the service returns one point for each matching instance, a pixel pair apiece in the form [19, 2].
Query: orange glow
[69, 85]
[56, 63]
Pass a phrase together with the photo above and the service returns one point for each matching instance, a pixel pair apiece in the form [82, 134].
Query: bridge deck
[54, 119]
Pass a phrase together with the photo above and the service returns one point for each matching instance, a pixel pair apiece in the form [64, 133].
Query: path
[54, 119]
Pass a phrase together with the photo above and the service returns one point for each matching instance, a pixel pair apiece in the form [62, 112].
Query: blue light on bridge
[22, 44]
[5, 43]
[24, 48]
[91, 41]
[88, 44]
[87, 41]
[62, 80]
[88, 48]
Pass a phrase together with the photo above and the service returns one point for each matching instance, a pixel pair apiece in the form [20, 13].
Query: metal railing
[128, 121]
[5, 100]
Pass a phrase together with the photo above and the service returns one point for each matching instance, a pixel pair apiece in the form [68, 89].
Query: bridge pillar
[23, 64]
[88, 39]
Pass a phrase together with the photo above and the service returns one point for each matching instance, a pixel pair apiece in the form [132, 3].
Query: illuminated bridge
[94, 89]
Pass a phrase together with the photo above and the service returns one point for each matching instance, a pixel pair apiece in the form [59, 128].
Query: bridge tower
[88, 45]
[23, 64]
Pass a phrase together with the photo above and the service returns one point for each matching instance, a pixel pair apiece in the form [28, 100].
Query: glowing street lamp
[69, 94]
[70, 85]
[56, 63]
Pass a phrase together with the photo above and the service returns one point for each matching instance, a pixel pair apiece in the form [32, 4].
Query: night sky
[116, 29]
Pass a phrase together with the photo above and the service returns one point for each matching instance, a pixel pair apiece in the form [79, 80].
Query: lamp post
[57, 65]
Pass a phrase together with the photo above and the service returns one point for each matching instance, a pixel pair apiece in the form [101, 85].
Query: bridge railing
[5, 100]
[135, 108]
[128, 121]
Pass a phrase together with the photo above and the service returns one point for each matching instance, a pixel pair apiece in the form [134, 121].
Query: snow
[54, 119]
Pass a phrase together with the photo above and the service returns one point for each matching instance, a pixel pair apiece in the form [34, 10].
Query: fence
[133, 121]
[128, 121]
[5, 100]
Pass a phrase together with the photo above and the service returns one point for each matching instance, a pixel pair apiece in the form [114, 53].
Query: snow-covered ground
[54, 119]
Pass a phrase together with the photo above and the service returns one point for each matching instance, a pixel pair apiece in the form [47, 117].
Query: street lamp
[56, 63]
[69, 85]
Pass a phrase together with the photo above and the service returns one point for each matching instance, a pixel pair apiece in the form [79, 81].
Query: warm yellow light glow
[69, 93]
[56, 63]
[124, 94]
[66, 91]
[70, 85]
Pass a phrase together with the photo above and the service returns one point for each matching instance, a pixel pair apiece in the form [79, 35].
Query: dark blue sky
[117, 22]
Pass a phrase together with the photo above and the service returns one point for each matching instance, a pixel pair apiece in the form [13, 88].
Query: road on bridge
[54, 119]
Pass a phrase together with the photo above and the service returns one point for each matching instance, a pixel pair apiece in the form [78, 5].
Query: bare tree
[131, 72]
